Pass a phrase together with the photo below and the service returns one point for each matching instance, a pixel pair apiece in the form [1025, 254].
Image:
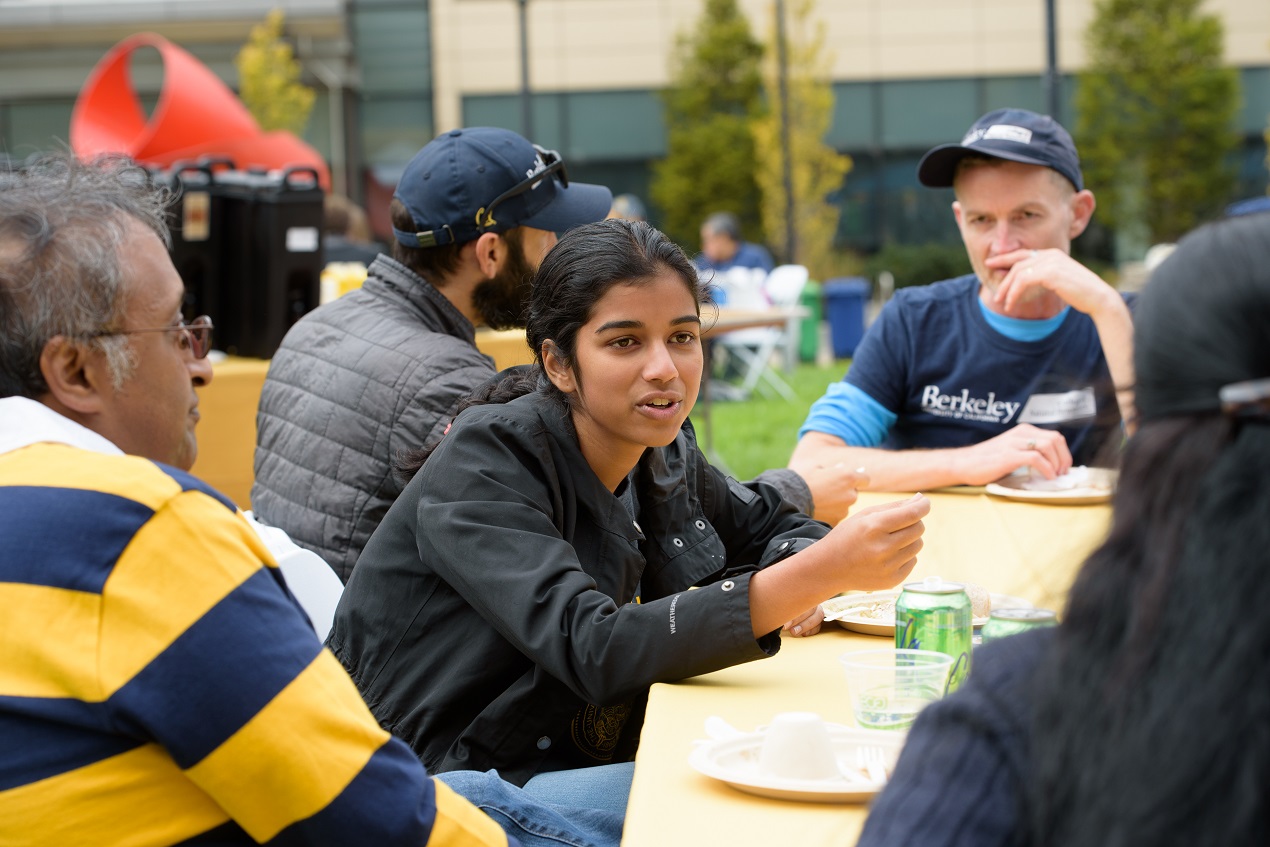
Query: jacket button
[544, 743]
[728, 585]
[701, 525]
[678, 542]
[784, 544]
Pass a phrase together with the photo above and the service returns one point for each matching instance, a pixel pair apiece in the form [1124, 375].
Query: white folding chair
[754, 348]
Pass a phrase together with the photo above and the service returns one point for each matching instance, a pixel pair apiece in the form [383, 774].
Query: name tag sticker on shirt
[1059, 408]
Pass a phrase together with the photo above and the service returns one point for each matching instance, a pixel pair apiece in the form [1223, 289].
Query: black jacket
[509, 613]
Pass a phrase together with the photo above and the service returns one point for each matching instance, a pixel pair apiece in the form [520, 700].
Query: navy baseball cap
[484, 179]
[1014, 134]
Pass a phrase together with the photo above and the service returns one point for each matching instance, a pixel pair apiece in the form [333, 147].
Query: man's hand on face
[1032, 272]
[1043, 450]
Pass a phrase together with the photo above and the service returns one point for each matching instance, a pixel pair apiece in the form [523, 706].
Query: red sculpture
[197, 115]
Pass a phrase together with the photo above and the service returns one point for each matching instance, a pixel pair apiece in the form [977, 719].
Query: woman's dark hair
[574, 275]
[1151, 725]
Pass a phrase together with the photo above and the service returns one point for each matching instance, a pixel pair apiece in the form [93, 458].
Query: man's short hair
[62, 224]
[436, 263]
[432, 263]
[724, 223]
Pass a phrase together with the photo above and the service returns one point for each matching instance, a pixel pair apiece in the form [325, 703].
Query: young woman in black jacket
[533, 579]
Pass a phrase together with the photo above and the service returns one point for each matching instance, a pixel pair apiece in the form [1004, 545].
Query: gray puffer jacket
[355, 383]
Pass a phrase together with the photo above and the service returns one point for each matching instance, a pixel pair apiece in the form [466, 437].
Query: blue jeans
[562, 814]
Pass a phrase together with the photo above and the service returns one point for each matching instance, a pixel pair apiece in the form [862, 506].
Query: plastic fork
[873, 760]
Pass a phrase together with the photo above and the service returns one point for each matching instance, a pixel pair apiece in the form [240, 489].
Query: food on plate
[883, 608]
[879, 608]
[980, 600]
[1080, 478]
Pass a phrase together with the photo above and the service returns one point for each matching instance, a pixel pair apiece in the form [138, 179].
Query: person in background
[1141, 720]
[1015, 365]
[378, 371]
[722, 247]
[161, 685]
[346, 235]
[533, 580]
[628, 207]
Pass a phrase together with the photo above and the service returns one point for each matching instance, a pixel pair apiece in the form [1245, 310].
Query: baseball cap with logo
[1014, 134]
[484, 179]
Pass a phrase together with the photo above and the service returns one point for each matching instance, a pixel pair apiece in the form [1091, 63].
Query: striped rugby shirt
[158, 683]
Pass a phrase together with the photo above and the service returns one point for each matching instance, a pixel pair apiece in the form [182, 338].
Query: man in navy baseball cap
[1023, 364]
[378, 371]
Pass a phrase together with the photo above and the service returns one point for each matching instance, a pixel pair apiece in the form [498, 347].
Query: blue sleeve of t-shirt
[850, 414]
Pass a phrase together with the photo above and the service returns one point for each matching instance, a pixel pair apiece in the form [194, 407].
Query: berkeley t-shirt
[944, 377]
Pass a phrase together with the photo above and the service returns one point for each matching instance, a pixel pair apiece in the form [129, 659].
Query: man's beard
[503, 301]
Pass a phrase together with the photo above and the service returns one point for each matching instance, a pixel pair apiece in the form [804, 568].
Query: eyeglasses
[197, 334]
[550, 165]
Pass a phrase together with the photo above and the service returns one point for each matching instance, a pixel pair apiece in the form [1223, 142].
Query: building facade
[391, 74]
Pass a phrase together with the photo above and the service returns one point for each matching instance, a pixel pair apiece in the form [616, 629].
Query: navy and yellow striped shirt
[159, 685]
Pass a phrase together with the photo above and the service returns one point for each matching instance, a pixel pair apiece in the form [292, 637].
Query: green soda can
[1013, 621]
[936, 615]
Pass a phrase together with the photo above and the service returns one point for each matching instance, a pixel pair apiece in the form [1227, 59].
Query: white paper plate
[885, 626]
[735, 762]
[1079, 487]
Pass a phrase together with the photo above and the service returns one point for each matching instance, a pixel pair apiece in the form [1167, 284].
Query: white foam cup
[796, 745]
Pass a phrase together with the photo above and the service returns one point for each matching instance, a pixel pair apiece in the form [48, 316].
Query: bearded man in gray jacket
[378, 371]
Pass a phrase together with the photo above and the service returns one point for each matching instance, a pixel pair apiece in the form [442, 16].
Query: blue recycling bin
[844, 309]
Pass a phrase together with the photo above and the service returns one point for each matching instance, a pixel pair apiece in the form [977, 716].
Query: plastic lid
[1024, 615]
[934, 585]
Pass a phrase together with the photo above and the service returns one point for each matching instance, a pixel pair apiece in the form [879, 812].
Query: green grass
[760, 433]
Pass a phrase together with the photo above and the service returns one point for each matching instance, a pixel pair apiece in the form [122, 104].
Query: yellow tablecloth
[227, 431]
[1032, 551]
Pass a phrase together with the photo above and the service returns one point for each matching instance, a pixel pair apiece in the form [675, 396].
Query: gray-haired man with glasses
[378, 372]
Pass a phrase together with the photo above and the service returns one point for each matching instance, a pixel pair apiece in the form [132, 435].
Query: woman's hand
[871, 550]
[877, 547]
[807, 623]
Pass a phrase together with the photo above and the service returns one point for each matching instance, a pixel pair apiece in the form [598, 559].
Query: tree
[269, 78]
[715, 93]
[817, 169]
[1156, 112]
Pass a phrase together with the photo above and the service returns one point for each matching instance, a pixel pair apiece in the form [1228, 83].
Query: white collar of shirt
[24, 422]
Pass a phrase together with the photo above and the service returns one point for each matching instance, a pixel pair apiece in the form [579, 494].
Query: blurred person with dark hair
[346, 235]
[1141, 720]
[377, 371]
[722, 247]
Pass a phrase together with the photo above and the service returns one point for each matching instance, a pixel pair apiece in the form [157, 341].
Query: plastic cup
[889, 687]
[796, 745]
